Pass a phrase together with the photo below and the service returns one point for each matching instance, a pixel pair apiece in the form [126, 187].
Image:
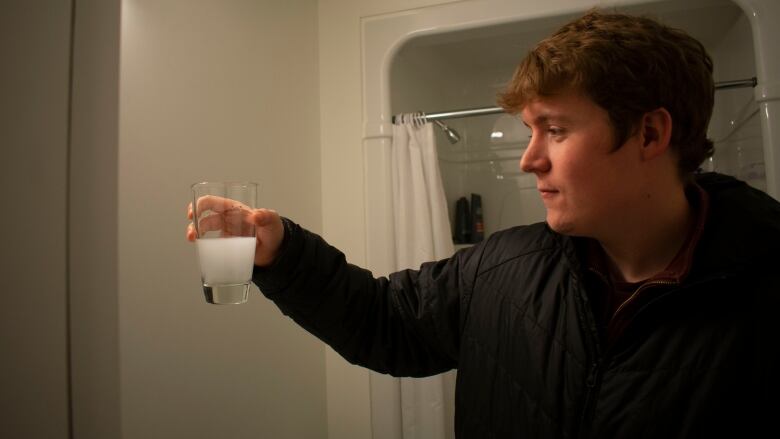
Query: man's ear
[655, 133]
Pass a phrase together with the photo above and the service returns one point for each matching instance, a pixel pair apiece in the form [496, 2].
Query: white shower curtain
[422, 234]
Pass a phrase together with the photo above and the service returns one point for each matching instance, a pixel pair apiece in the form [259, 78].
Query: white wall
[265, 90]
[343, 214]
[468, 69]
[207, 91]
[737, 134]
[210, 91]
[34, 78]
[93, 220]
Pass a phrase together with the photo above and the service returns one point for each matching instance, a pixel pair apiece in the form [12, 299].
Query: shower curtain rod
[740, 83]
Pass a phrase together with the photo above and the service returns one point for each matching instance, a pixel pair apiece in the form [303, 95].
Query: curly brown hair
[628, 65]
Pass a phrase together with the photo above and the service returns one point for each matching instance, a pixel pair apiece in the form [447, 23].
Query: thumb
[265, 217]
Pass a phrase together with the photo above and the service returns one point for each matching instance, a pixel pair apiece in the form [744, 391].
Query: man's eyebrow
[548, 118]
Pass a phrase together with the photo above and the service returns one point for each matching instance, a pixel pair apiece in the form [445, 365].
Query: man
[643, 306]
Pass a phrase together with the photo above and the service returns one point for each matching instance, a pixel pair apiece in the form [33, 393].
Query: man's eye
[555, 131]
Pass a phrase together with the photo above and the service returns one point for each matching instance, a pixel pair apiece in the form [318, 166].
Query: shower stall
[479, 147]
[457, 56]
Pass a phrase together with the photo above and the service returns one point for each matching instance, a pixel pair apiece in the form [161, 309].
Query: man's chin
[562, 227]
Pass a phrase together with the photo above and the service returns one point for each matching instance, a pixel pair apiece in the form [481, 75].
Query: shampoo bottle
[477, 224]
[462, 233]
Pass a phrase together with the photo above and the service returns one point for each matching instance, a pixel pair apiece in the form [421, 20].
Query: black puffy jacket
[700, 359]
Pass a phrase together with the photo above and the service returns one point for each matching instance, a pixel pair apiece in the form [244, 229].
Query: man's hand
[228, 215]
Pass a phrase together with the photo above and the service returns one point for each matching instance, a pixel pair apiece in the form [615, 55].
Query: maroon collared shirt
[614, 302]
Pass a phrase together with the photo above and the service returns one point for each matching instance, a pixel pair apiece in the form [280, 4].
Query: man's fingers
[218, 204]
[211, 202]
[210, 223]
[227, 216]
[191, 235]
[239, 215]
[236, 223]
[264, 217]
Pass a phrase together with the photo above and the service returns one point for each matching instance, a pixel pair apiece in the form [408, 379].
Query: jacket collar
[740, 224]
[743, 228]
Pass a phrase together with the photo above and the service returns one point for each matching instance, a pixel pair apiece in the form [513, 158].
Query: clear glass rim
[224, 184]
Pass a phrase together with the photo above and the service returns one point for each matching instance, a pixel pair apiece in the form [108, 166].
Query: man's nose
[535, 158]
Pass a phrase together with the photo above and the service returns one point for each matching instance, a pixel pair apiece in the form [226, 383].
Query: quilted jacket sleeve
[405, 325]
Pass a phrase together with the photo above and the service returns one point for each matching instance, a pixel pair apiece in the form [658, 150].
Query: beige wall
[208, 91]
[92, 224]
[211, 91]
[34, 49]
[343, 215]
[261, 90]
[59, 375]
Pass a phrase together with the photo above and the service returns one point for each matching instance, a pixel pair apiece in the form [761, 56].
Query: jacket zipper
[644, 286]
[593, 382]
[591, 337]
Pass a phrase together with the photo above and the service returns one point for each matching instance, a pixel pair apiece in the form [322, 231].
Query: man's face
[585, 184]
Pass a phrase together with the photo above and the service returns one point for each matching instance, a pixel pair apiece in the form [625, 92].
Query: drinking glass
[225, 238]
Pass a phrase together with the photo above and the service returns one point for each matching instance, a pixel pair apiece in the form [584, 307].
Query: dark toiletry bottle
[477, 224]
[462, 222]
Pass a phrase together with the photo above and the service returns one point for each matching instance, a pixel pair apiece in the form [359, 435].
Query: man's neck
[648, 237]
